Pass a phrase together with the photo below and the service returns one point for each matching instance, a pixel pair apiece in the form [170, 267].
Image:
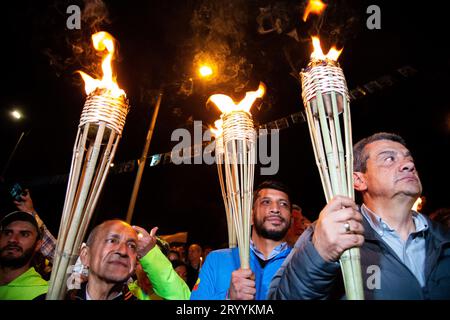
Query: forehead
[21, 225]
[272, 193]
[376, 147]
[117, 228]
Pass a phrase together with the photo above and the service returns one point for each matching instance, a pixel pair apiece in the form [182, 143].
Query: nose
[407, 165]
[275, 208]
[122, 249]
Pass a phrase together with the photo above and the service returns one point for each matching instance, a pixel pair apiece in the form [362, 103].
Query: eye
[6, 232]
[284, 204]
[265, 201]
[25, 234]
[389, 159]
[132, 245]
[112, 240]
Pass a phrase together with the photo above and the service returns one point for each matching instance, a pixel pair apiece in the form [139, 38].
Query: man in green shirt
[20, 239]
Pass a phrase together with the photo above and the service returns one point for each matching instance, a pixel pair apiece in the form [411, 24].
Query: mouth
[15, 249]
[119, 263]
[409, 179]
[275, 220]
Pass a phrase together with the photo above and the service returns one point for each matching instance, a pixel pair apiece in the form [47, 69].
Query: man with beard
[221, 277]
[404, 255]
[20, 239]
[111, 254]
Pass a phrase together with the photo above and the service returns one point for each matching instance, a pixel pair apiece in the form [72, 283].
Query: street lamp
[16, 115]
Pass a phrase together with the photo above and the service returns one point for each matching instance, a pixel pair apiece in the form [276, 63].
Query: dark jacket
[305, 275]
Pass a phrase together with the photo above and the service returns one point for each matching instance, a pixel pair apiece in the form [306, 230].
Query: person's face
[299, 222]
[194, 252]
[18, 243]
[182, 272]
[390, 172]
[271, 214]
[112, 256]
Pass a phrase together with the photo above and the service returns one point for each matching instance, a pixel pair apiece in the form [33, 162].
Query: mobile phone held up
[16, 192]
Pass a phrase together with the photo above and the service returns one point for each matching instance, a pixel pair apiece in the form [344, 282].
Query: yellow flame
[227, 105]
[313, 6]
[217, 131]
[318, 54]
[417, 205]
[205, 71]
[103, 41]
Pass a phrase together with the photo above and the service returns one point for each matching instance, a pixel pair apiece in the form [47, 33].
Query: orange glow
[318, 54]
[227, 105]
[103, 41]
[205, 71]
[315, 7]
[417, 206]
[217, 131]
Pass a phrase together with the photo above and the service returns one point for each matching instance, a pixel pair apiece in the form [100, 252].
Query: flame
[318, 54]
[313, 6]
[418, 204]
[217, 131]
[103, 41]
[227, 105]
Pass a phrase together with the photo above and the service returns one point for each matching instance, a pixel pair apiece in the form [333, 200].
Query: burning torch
[239, 151]
[325, 96]
[99, 131]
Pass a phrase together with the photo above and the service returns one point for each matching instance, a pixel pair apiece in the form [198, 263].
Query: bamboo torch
[99, 131]
[219, 154]
[325, 96]
[239, 147]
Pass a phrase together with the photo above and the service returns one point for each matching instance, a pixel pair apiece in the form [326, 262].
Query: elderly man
[111, 254]
[404, 255]
[221, 276]
[20, 240]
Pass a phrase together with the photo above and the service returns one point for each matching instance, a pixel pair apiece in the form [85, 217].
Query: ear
[38, 245]
[359, 181]
[251, 218]
[85, 256]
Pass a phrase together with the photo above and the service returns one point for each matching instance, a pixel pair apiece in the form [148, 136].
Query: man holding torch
[221, 276]
[404, 255]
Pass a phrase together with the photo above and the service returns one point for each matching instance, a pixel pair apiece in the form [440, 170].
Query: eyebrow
[279, 199]
[392, 152]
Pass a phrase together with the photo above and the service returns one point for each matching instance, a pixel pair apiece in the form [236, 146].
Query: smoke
[219, 38]
[77, 52]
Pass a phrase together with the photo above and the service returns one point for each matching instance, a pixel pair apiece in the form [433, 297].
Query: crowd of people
[290, 256]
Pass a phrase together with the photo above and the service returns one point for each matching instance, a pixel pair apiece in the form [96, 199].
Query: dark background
[159, 43]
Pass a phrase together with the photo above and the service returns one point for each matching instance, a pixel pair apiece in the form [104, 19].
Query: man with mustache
[111, 254]
[404, 255]
[20, 239]
[221, 277]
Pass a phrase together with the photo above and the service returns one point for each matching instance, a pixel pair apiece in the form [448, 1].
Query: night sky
[160, 43]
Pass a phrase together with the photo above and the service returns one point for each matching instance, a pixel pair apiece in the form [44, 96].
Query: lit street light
[16, 114]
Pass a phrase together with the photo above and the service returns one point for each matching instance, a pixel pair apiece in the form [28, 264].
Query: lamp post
[17, 115]
[204, 71]
[143, 160]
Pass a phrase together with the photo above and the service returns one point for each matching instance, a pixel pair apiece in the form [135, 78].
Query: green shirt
[166, 283]
[27, 286]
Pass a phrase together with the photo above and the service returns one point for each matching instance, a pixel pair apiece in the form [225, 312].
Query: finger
[351, 240]
[140, 230]
[339, 202]
[355, 227]
[153, 232]
[347, 214]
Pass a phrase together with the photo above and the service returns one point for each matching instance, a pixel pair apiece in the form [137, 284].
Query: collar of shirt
[276, 251]
[380, 226]
[88, 297]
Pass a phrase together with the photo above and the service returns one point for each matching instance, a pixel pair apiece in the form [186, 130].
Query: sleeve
[207, 287]
[48, 244]
[166, 282]
[304, 275]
